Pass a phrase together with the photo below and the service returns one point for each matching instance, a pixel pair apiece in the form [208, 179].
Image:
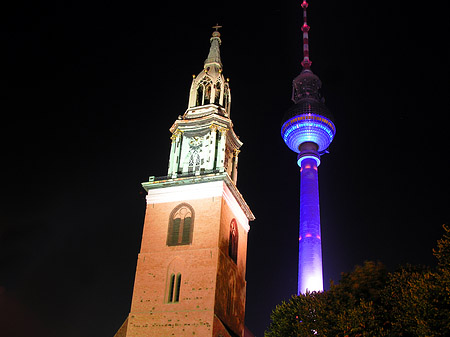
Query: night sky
[90, 89]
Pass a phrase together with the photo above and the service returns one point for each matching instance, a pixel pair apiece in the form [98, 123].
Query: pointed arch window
[199, 100]
[174, 288]
[207, 99]
[181, 225]
[233, 241]
[204, 91]
[217, 96]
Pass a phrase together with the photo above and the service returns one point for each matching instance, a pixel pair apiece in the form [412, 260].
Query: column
[221, 150]
[174, 153]
[235, 163]
[212, 147]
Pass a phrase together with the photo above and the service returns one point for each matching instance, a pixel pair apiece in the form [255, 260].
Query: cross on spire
[216, 27]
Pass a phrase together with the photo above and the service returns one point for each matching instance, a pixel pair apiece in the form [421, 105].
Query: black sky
[90, 89]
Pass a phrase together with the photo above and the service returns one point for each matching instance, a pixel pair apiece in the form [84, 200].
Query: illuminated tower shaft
[308, 129]
[310, 248]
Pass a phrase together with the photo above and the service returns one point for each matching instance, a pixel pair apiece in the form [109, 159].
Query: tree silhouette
[369, 301]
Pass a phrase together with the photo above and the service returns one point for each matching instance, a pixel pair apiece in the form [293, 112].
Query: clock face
[195, 142]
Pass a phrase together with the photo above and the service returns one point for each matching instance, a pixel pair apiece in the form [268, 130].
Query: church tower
[190, 274]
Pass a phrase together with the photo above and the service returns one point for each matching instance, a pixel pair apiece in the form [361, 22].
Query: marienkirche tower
[190, 275]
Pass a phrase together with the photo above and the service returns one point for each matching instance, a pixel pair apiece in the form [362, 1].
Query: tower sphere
[309, 120]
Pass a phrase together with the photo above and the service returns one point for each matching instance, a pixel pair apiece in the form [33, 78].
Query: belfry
[190, 274]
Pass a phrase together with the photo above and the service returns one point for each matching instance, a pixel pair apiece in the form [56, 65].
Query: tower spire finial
[214, 52]
[216, 27]
[306, 63]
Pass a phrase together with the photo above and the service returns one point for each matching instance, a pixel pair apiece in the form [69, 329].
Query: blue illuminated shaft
[310, 248]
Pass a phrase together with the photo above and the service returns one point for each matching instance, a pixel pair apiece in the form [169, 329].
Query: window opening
[171, 287]
[207, 99]
[217, 97]
[177, 288]
[174, 288]
[200, 94]
[194, 162]
[233, 241]
[180, 226]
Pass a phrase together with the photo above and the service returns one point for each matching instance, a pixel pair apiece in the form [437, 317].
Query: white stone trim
[235, 208]
[199, 191]
[185, 192]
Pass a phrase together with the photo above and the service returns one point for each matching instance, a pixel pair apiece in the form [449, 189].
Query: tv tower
[308, 129]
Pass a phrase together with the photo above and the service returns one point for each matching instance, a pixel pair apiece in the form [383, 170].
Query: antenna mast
[306, 63]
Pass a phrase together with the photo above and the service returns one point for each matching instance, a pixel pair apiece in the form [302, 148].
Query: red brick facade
[212, 287]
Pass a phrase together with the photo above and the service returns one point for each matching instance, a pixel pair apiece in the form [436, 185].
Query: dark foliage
[369, 301]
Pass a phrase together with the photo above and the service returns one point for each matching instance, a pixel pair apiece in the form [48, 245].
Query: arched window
[194, 162]
[199, 95]
[217, 98]
[233, 242]
[207, 99]
[181, 224]
[204, 91]
[174, 288]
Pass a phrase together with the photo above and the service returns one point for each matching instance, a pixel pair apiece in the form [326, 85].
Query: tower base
[191, 283]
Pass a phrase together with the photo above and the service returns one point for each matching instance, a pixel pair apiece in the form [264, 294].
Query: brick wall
[209, 277]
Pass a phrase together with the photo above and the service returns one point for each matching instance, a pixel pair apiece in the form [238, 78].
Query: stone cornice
[208, 120]
[199, 179]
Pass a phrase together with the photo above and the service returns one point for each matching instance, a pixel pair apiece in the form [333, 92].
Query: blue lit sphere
[308, 121]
